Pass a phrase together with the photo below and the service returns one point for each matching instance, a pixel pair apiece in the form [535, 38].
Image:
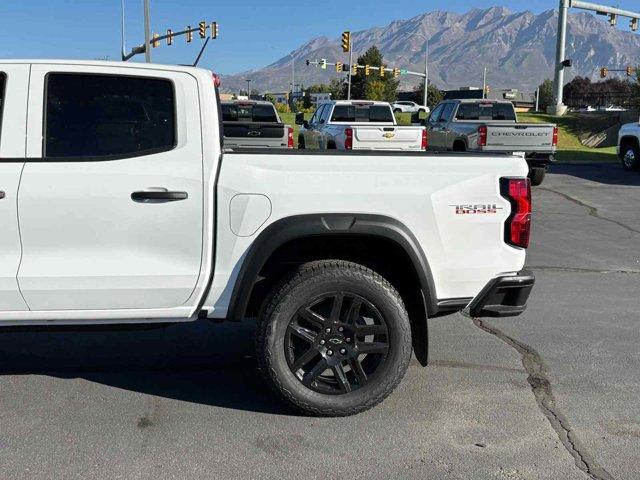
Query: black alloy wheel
[336, 343]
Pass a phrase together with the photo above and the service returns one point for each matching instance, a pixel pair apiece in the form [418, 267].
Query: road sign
[403, 71]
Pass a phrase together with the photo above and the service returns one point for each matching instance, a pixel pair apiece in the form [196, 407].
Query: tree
[338, 89]
[360, 84]
[434, 95]
[546, 94]
[270, 98]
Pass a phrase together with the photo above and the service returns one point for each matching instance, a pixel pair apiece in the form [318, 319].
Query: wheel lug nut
[329, 352]
[348, 340]
[343, 351]
[322, 342]
[328, 330]
[341, 329]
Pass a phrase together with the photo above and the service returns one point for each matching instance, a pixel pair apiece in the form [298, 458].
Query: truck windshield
[486, 111]
[248, 113]
[362, 113]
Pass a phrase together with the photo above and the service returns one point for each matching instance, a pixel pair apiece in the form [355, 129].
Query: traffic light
[604, 71]
[155, 43]
[354, 69]
[367, 70]
[323, 63]
[629, 71]
[215, 29]
[383, 71]
[488, 90]
[613, 20]
[338, 67]
[633, 24]
[202, 29]
[189, 34]
[346, 41]
[307, 62]
[169, 37]
[396, 72]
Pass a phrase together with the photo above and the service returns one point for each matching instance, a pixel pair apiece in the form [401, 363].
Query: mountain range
[517, 48]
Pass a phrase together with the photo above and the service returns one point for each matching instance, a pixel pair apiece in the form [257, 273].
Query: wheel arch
[339, 232]
[461, 145]
[629, 140]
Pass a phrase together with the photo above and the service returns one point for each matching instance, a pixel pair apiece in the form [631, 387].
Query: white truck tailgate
[514, 138]
[387, 138]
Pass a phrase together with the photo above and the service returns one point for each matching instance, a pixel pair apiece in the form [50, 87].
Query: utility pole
[537, 99]
[558, 84]
[484, 83]
[248, 80]
[350, 72]
[426, 75]
[147, 32]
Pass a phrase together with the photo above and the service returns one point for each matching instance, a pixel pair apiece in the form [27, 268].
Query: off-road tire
[536, 175]
[301, 287]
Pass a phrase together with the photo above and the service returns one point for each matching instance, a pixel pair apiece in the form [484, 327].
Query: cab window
[107, 115]
[435, 115]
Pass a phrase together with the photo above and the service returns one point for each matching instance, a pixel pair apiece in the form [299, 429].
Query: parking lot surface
[552, 394]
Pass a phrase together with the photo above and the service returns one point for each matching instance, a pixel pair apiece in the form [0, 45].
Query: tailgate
[387, 138]
[520, 137]
[244, 134]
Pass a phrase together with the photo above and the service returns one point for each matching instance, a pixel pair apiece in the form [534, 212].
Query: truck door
[434, 129]
[14, 84]
[111, 198]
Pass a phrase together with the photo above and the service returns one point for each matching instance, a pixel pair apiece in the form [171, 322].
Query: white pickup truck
[358, 125]
[113, 217]
[629, 146]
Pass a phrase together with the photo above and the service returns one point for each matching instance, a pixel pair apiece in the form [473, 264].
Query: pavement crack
[543, 393]
[593, 211]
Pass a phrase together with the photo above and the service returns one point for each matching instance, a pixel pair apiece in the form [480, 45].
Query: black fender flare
[300, 226]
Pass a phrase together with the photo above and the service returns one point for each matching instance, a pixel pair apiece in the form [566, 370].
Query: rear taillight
[290, 137]
[216, 80]
[482, 136]
[518, 226]
[425, 139]
[555, 136]
[348, 138]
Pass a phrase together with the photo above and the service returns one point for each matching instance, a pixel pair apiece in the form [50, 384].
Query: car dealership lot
[186, 401]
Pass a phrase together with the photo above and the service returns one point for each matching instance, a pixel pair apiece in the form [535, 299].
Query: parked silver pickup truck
[492, 126]
[254, 124]
[358, 125]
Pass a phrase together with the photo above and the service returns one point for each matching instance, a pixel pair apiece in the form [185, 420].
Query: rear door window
[108, 115]
[447, 112]
[362, 114]
[486, 111]
[3, 80]
[435, 115]
[248, 112]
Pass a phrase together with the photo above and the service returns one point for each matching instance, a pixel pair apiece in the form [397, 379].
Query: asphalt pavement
[553, 394]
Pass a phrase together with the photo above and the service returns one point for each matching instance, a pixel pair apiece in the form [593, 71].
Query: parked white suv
[119, 205]
[408, 107]
[629, 146]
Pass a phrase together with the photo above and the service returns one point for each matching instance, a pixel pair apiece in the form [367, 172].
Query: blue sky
[253, 33]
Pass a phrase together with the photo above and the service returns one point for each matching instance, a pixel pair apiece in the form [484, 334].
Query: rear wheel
[536, 175]
[630, 158]
[397, 110]
[334, 339]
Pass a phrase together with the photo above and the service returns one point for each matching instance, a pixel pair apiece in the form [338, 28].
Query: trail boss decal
[479, 209]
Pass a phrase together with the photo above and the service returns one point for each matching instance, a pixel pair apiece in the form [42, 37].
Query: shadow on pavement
[607, 173]
[200, 362]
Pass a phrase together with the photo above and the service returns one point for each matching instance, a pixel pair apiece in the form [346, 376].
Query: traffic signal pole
[147, 32]
[350, 72]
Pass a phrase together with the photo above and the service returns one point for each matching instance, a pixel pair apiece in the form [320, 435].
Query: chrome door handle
[2, 195]
[158, 195]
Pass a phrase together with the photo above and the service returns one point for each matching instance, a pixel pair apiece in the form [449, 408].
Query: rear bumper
[504, 296]
[540, 160]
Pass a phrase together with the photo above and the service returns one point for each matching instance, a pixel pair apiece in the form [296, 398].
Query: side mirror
[300, 118]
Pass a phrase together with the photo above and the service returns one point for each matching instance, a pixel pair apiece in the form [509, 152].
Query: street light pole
[558, 108]
[426, 75]
[248, 80]
[484, 83]
[147, 32]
